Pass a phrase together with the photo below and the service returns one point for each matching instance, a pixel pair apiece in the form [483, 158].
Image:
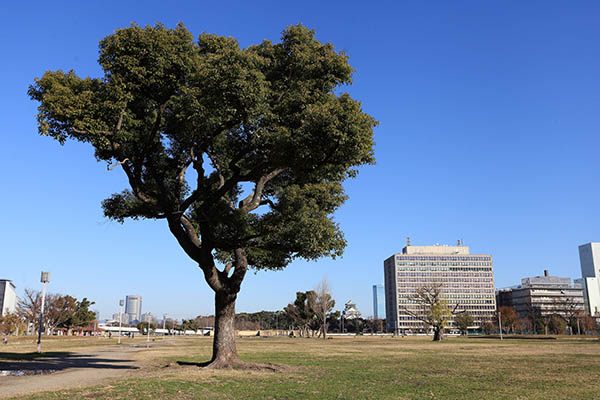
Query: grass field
[357, 368]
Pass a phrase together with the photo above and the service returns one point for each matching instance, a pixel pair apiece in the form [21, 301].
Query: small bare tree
[432, 309]
[322, 303]
[28, 307]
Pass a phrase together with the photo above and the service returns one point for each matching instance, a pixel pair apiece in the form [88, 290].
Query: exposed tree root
[239, 365]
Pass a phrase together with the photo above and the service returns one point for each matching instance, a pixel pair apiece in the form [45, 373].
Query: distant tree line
[569, 319]
[60, 312]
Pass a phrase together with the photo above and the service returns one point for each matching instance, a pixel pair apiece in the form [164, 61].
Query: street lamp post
[45, 278]
[500, 324]
[121, 302]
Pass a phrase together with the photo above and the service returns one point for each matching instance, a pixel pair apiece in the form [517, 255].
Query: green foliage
[60, 311]
[301, 313]
[439, 314]
[270, 116]
[144, 326]
[354, 368]
[463, 320]
[83, 316]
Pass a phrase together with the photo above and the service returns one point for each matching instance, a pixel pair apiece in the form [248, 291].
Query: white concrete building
[148, 317]
[589, 257]
[467, 282]
[8, 297]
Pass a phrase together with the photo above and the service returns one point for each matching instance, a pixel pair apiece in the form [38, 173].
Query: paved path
[74, 369]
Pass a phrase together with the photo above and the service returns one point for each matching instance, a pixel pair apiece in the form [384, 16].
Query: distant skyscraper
[589, 257]
[8, 297]
[378, 302]
[133, 307]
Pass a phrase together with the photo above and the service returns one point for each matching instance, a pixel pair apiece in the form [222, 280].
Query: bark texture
[224, 349]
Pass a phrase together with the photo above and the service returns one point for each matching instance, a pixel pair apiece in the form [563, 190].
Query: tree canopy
[242, 151]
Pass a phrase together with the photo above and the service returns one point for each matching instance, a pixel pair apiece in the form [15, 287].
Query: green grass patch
[368, 368]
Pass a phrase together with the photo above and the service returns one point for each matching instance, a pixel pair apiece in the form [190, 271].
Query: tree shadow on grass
[57, 361]
[194, 364]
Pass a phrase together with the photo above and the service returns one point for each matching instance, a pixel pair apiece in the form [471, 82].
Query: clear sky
[489, 115]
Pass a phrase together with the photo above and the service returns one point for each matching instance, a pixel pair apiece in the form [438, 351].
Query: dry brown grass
[363, 367]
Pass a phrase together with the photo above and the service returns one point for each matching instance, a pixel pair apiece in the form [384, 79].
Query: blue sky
[489, 118]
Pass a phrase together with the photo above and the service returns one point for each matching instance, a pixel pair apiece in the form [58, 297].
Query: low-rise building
[543, 296]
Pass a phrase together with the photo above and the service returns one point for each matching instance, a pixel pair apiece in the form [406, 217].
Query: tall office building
[133, 308]
[589, 257]
[466, 280]
[8, 297]
[378, 302]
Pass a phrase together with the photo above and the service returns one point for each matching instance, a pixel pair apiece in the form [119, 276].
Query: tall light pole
[45, 278]
[121, 302]
[500, 324]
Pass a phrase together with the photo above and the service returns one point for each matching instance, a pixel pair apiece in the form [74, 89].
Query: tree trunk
[224, 350]
[437, 334]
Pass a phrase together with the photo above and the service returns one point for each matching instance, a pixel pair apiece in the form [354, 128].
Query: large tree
[431, 308]
[242, 151]
[301, 312]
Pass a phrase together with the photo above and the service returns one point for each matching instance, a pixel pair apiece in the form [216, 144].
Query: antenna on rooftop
[408, 241]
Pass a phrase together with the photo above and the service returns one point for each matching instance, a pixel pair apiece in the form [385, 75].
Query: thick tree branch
[195, 195]
[181, 175]
[217, 168]
[254, 199]
[241, 266]
[227, 268]
[186, 236]
[111, 167]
